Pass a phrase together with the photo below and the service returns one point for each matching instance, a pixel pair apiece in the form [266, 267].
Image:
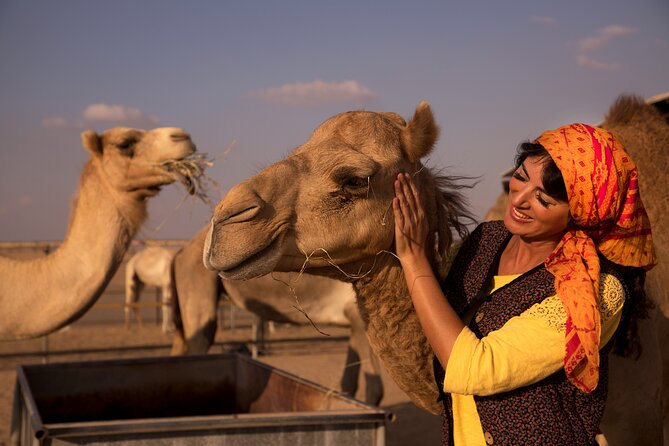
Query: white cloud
[587, 62]
[595, 43]
[316, 92]
[104, 113]
[54, 122]
[544, 20]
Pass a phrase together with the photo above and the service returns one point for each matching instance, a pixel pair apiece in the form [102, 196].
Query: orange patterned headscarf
[604, 203]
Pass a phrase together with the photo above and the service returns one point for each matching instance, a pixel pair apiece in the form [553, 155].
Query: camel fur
[279, 297]
[42, 295]
[149, 267]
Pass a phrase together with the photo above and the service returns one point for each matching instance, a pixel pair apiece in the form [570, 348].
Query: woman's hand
[411, 227]
[440, 323]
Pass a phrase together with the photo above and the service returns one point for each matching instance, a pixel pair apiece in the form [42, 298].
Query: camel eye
[126, 145]
[356, 183]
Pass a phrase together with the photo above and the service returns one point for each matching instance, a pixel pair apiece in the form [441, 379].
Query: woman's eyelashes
[539, 194]
[542, 201]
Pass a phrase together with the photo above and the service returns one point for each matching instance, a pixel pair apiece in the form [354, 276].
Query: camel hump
[420, 135]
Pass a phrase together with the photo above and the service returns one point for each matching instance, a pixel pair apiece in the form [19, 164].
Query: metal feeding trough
[227, 399]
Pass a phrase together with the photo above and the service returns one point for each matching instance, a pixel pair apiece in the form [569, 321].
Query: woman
[533, 299]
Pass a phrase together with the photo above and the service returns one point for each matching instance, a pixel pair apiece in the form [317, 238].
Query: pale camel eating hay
[335, 210]
[124, 169]
[149, 267]
[279, 297]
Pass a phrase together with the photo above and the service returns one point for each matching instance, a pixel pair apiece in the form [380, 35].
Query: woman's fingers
[397, 210]
[409, 197]
[415, 196]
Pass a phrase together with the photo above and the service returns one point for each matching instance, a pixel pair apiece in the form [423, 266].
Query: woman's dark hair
[551, 177]
[637, 306]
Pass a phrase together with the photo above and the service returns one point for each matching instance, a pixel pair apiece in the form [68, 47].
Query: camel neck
[73, 277]
[98, 231]
[395, 333]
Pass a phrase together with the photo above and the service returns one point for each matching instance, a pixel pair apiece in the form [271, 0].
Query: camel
[333, 218]
[279, 297]
[124, 169]
[150, 266]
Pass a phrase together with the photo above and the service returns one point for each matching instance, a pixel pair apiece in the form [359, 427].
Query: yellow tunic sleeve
[526, 349]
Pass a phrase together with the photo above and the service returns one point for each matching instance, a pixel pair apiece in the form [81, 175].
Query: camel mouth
[189, 171]
[258, 264]
[145, 192]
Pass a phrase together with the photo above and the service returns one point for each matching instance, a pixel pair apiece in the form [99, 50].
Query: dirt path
[318, 360]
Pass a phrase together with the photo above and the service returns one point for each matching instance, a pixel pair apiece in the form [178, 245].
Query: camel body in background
[643, 384]
[335, 210]
[149, 267]
[124, 169]
[279, 297]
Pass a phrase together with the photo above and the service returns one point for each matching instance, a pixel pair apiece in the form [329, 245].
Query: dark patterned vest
[552, 411]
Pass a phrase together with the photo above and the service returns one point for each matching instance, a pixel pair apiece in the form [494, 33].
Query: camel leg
[168, 320]
[133, 287]
[258, 330]
[196, 293]
[663, 337]
[199, 323]
[179, 346]
[633, 413]
[361, 357]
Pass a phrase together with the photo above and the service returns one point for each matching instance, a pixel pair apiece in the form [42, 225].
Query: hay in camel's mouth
[190, 172]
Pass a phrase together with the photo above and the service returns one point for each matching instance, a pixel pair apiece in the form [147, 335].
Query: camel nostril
[245, 214]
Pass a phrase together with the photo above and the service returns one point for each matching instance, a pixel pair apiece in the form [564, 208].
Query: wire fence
[235, 325]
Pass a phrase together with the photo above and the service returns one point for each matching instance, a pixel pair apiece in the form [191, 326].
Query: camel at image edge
[280, 297]
[335, 211]
[123, 170]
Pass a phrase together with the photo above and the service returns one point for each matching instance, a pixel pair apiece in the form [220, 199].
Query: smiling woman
[537, 216]
[546, 280]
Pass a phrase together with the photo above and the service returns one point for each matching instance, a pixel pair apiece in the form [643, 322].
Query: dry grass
[190, 172]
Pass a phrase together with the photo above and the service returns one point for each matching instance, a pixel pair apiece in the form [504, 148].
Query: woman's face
[530, 212]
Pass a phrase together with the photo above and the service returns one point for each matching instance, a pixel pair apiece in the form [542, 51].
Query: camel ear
[420, 134]
[92, 142]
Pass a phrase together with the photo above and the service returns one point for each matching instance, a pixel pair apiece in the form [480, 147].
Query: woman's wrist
[416, 265]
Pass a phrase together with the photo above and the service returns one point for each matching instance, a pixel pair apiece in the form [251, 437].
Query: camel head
[328, 201]
[130, 160]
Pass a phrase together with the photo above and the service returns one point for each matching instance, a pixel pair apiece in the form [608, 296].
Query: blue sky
[260, 76]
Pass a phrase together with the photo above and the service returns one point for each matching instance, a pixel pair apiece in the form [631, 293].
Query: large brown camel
[279, 297]
[149, 267]
[124, 169]
[333, 217]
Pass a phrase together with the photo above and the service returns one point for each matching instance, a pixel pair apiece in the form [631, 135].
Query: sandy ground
[317, 359]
